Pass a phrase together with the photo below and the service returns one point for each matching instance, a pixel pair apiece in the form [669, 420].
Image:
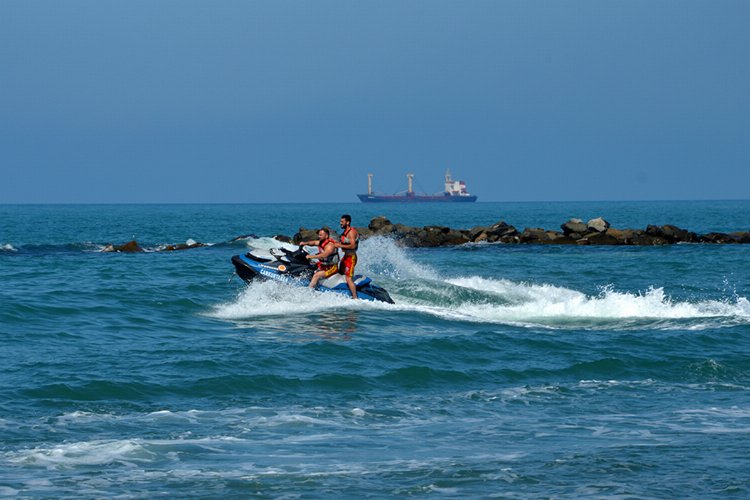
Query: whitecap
[83, 453]
[123, 451]
[530, 303]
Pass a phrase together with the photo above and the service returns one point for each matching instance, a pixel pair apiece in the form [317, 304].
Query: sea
[508, 371]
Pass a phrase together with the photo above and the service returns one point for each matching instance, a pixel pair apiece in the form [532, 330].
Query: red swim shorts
[346, 267]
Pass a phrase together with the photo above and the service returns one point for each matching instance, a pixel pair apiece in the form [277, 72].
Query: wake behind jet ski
[292, 267]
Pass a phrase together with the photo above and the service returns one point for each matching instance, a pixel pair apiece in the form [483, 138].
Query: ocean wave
[528, 301]
[51, 248]
[483, 300]
[122, 451]
[420, 289]
[83, 453]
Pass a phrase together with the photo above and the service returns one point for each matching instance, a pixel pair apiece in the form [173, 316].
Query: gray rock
[543, 236]
[364, 232]
[676, 234]
[305, 234]
[442, 229]
[475, 231]
[378, 223]
[533, 235]
[599, 225]
[574, 226]
[718, 238]
[601, 239]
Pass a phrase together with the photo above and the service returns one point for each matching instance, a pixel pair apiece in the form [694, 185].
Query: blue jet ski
[292, 267]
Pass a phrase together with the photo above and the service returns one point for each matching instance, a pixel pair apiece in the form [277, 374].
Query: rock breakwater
[573, 232]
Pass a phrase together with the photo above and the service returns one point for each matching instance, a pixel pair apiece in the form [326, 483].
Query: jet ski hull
[250, 268]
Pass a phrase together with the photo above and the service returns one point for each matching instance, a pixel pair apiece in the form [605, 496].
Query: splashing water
[267, 243]
[549, 304]
[382, 257]
[270, 298]
[418, 288]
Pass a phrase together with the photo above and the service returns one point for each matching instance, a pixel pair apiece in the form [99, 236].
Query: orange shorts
[329, 271]
[346, 267]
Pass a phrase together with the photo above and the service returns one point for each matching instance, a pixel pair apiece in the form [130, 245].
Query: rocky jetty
[573, 232]
[134, 247]
[596, 231]
[129, 247]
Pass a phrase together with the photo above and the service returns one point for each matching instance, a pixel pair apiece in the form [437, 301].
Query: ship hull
[370, 198]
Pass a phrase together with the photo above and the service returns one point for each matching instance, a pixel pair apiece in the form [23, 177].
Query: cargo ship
[455, 191]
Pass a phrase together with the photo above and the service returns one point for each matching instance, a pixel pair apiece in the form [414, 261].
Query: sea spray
[380, 256]
[482, 300]
[556, 306]
[270, 298]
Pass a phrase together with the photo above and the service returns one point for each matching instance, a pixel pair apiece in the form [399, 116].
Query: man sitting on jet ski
[327, 256]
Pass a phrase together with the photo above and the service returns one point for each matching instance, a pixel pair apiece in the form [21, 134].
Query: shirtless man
[349, 244]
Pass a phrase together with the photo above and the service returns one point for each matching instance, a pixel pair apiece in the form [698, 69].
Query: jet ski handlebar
[296, 255]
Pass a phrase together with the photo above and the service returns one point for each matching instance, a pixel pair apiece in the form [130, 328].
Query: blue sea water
[501, 370]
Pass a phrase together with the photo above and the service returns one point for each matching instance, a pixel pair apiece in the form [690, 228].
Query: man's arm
[327, 250]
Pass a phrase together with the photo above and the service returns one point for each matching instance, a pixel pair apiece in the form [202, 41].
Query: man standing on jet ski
[327, 256]
[349, 244]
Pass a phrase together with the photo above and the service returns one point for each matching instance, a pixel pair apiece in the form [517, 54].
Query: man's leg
[316, 277]
[352, 287]
[349, 274]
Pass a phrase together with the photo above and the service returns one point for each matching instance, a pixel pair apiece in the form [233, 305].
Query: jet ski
[292, 267]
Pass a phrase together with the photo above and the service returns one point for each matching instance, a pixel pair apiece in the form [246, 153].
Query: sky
[186, 101]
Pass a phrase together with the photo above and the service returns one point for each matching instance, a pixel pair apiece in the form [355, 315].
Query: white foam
[381, 256]
[83, 416]
[416, 287]
[103, 452]
[499, 301]
[267, 243]
[8, 248]
[83, 453]
[269, 298]
[527, 301]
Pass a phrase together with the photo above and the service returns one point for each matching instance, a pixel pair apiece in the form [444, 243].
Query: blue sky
[274, 101]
